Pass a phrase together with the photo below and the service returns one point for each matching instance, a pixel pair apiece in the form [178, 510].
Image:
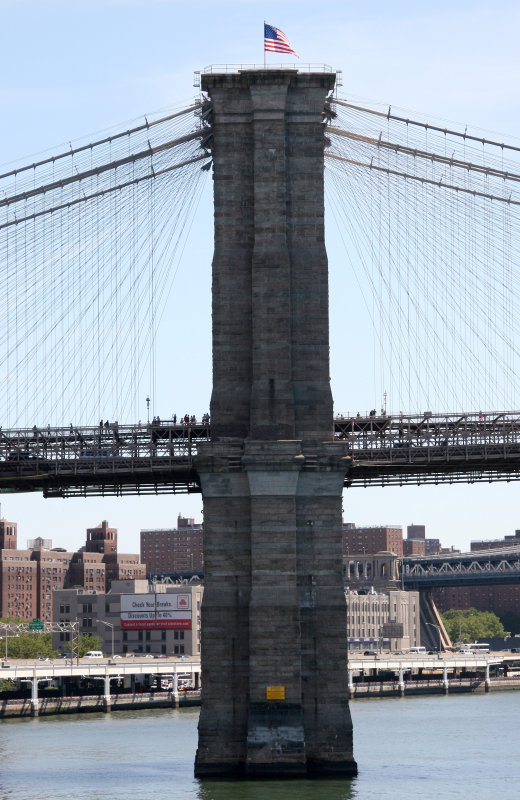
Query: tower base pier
[274, 671]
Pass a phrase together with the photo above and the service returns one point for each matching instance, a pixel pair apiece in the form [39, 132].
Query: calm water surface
[432, 748]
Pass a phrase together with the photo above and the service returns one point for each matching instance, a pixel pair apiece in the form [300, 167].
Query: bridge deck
[159, 457]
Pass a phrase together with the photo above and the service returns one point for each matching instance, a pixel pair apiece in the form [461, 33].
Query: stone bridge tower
[274, 677]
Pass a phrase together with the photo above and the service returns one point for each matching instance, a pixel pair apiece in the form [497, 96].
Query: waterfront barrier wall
[24, 707]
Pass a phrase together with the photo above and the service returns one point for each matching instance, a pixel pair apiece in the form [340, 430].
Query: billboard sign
[173, 610]
[156, 611]
[137, 611]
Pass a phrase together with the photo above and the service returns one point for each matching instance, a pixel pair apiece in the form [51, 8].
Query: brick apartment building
[359, 541]
[29, 577]
[416, 543]
[496, 544]
[174, 551]
[18, 575]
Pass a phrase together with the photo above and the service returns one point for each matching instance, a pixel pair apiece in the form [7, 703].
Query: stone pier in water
[274, 647]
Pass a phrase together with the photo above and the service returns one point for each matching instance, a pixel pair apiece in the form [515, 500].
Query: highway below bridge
[113, 683]
[161, 457]
[118, 667]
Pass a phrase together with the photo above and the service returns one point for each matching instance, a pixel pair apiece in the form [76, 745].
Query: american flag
[276, 41]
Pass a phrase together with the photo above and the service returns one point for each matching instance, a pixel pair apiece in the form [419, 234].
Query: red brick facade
[174, 550]
[28, 578]
[366, 541]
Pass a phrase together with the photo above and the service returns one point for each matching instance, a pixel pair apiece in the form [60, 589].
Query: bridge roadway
[155, 458]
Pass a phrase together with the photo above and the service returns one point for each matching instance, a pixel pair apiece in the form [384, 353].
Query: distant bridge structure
[485, 567]
[422, 573]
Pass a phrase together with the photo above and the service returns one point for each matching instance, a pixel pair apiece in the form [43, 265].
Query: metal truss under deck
[110, 459]
[113, 459]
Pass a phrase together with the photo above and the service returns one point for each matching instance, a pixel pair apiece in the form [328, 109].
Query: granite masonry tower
[274, 677]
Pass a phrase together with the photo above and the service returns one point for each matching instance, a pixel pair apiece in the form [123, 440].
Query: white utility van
[93, 654]
[417, 650]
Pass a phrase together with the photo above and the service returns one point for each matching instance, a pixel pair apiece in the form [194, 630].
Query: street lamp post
[6, 637]
[111, 626]
[433, 625]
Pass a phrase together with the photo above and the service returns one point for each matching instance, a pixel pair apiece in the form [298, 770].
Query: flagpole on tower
[265, 64]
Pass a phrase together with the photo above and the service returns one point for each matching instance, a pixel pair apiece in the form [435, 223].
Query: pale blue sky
[68, 69]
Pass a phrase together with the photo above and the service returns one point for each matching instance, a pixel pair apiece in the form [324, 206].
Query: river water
[422, 748]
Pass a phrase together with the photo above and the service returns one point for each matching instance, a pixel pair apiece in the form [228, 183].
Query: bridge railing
[395, 437]
[309, 67]
[43, 447]
[380, 432]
